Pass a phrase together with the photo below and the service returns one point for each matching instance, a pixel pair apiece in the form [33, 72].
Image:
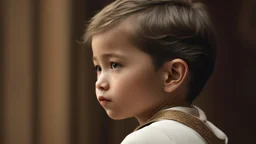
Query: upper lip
[101, 98]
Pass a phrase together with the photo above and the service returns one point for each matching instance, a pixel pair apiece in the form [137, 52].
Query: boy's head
[166, 30]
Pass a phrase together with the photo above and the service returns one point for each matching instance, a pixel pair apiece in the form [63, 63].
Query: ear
[175, 74]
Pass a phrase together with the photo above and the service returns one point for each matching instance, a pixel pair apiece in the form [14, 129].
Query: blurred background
[47, 78]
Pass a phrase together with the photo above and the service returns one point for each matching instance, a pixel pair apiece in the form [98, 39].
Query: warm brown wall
[233, 83]
[17, 79]
[1, 75]
[35, 71]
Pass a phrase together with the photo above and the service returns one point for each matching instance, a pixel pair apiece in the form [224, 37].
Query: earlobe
[175, 73]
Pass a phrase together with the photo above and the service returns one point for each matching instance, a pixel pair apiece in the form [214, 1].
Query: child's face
[125, 75]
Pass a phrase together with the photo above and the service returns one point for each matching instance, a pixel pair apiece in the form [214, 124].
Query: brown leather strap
[188, 120]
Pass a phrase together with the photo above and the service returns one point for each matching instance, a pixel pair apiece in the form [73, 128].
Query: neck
[143, 118]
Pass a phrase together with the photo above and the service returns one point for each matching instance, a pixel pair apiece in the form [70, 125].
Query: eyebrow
[108, 55]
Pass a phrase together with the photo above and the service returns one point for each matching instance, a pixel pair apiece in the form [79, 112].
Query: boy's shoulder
[164, 132]
[148, 135]
[173, 132]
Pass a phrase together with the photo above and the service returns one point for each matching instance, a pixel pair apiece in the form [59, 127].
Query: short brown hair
[166, 29]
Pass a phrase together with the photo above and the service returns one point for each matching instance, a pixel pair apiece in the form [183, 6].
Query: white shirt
[172, 132]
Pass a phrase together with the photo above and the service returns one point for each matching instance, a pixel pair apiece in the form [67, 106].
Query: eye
[97, 68]
[114, 65]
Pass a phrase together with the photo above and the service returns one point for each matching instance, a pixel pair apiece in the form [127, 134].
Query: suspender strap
[188, 120]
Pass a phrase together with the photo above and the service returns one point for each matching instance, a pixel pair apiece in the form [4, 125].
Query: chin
[116, 116]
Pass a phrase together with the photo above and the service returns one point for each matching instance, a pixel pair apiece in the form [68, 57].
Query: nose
[102, 84]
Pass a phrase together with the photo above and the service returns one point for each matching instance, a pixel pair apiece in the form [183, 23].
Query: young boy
[152, 58]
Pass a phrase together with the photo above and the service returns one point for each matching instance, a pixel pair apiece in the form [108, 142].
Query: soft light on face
[127, 83]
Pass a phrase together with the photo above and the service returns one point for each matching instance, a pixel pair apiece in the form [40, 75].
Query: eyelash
[99, 69]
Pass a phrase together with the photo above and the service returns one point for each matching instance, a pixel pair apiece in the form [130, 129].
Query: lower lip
[104, 102]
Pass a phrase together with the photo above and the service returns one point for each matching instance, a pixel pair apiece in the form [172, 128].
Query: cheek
[136, 85]
[134, 92]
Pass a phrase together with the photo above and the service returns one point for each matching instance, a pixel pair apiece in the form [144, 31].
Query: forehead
[116, 39]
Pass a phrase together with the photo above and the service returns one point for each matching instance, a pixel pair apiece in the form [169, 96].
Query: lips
[101, 98]
[104, 101]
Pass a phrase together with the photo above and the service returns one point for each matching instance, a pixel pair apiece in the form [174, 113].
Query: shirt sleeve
[148, 135]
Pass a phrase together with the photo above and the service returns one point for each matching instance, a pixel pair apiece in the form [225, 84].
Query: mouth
[103, 100]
